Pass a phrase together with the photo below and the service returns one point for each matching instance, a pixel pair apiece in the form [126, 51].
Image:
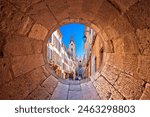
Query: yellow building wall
[97, 46]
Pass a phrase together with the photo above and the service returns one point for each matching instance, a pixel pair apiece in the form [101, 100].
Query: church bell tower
[72, 48]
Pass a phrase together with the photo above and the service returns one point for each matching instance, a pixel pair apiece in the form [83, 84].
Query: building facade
[59, 56]
[80, 69]
[93, 52]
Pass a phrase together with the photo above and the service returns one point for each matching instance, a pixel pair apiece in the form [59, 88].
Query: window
[50, 54]
[50, 40]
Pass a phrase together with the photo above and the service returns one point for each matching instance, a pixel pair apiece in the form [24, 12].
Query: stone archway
[123, 26]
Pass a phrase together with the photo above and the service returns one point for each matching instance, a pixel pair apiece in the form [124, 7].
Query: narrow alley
[75, 90]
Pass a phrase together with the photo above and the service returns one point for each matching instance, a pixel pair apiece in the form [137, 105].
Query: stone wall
[96, 48]
[125, 74]
[23, 71]
[26, 25]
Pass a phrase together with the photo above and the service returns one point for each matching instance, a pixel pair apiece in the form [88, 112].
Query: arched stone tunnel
[123, 26]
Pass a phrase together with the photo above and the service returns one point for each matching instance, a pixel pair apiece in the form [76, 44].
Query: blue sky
[77, 30]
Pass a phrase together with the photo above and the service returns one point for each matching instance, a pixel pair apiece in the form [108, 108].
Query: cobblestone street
[75, 90]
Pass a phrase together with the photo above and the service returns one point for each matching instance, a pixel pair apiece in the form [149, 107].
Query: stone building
[88, 40]
[54, 52]
[80, 69]
[68, 64]
[59, 56]
[93, 52]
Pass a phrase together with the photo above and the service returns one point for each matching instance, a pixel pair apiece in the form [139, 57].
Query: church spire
[72, 38]
[72, 47]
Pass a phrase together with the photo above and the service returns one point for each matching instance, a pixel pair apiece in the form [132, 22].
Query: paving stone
[74, 88]
[74, 82]
[85, 80]
[61, 92]
[89, 92]
[64, 81]
[75, 95]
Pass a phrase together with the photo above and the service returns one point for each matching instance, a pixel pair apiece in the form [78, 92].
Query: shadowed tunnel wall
[122, 25]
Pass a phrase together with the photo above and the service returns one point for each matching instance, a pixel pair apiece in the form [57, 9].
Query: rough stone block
[95, 76]
[21, 86]
[130, 64]
[110, 73]
[36, 76]
[42, 15]
[106, 14]
[109, 47]
[146, 93]
[39, 94]
[25, 25]
[110, 33]
[143, 68]
[144, 41]
[2, 43]
[124, 4]
[23, 64]
[38, 32]
[23, 4]
[10, 17]
[95, 84]
[50, 84]
[90, 8]
[120, 27]
[115, 95]
[139, 13]
[104, 89]
[37, 46]
[50, 70]
[18, 45]
[61, 11]
[130, 43]
[75, 9]
[5, 74]
[45, 71]
[129, 87]
[118, 46]
[18, 88]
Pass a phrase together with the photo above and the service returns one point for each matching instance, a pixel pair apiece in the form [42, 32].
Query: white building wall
[62, 53]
